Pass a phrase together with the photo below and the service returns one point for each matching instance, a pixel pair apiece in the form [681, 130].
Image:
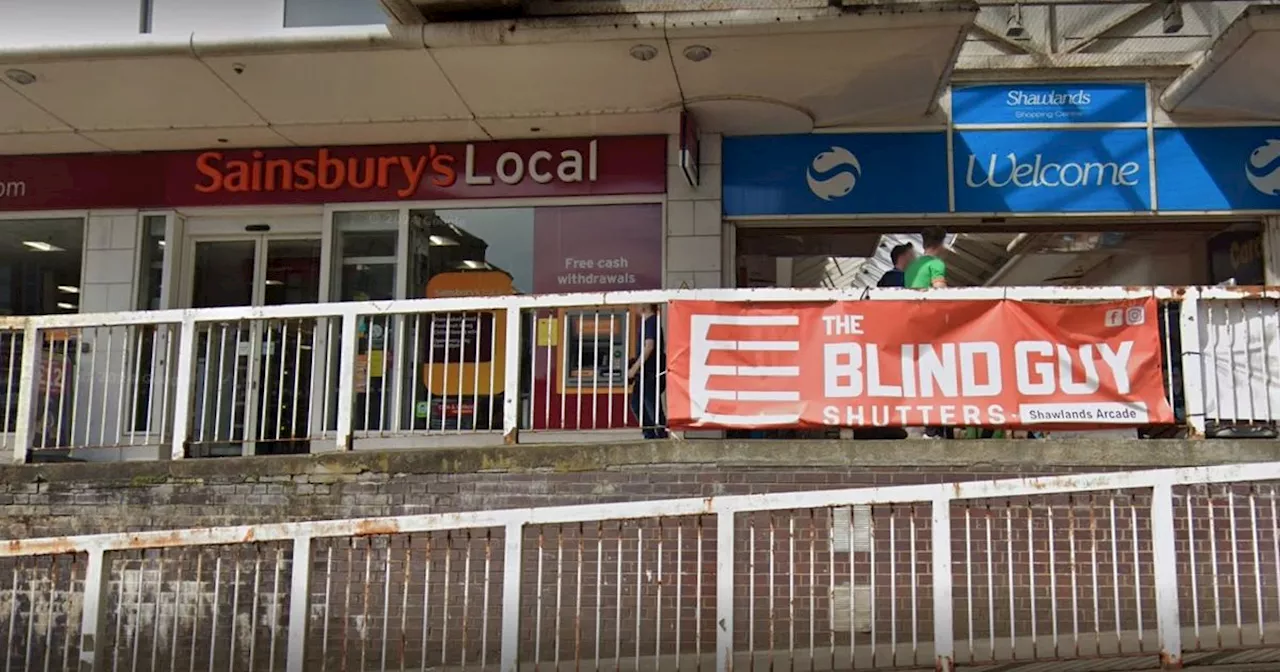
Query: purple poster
[597, 248]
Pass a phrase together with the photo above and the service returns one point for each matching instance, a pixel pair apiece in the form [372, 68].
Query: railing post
[724, 591]
[1192, 361]
[184, 388]
[943, 631]
[512, 557]
[299, 604]
[347, 380]
[1164, 552]
[93, 613]
[511, 384]
[28, 390]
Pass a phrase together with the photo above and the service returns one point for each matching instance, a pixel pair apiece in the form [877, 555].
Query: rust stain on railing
[376, 527]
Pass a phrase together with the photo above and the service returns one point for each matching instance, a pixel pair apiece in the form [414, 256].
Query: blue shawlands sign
[1052, 171]
[1199, 169]
[1054, 148]
[1081, 103]
[834, 174]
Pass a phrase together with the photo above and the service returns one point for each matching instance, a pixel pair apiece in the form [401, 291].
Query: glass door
[253, 378]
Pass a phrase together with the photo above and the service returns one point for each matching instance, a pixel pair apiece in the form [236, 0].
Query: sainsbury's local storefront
[271, 226]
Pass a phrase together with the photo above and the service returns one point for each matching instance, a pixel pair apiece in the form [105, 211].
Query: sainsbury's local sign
[1013, 149]
[435, 171]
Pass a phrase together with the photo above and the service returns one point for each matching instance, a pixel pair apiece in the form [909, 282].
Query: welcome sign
[1052, 171]
[1012, 149]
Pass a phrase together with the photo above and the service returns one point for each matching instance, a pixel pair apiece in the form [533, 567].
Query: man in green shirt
[928, 270]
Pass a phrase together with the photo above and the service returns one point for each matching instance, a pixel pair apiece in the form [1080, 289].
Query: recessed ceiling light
[41, 246]
[68, 289]
[67, 306]
[535, 129]
[19, 76]
[274, 283]
[697, 53]
[441, 240]
[223, 140]
[644, 52]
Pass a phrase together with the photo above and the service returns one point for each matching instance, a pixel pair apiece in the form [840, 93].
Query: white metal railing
[305, 378]
[1176, 565]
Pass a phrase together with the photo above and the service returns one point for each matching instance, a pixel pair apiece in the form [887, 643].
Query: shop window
[40, 262]
[305, 13]
[366, 247]
[577, 363]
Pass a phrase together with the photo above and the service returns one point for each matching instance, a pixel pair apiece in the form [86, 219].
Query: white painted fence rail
[1171, 567]
[314, 377]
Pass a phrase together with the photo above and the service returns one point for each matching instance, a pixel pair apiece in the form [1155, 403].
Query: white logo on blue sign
[1263, 169]
[836, 183]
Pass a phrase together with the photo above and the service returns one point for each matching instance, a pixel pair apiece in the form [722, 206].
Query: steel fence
[1165, 567]
[315, 377]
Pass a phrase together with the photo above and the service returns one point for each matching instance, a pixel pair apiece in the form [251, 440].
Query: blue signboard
[1052, 171]
[1199, 169]
[1093, 103]
[835, 174]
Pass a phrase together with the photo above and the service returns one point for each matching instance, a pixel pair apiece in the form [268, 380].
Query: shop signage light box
[1012, 149]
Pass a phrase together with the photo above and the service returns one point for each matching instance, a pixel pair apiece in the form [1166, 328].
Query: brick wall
[638, 584]
[57, 499]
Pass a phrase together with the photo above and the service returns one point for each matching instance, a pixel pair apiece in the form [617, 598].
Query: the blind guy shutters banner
[915, 363]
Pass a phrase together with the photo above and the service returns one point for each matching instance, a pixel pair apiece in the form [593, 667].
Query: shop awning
[1237, 77]
[742, 71]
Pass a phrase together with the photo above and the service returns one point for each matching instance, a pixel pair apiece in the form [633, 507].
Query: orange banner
[915, 363]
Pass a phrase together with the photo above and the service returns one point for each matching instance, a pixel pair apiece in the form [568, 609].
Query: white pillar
[694, 232]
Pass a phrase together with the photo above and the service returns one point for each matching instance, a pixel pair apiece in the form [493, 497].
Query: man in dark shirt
[901, 256]
[647, 376]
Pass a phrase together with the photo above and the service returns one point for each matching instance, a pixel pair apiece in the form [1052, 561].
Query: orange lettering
[256, 171]
[237, 176]
[282, 168]
[304, 171]
[412, 174]
[370, 173]
[332, 171]
[204, 167]
[384, 169]
[445, 173]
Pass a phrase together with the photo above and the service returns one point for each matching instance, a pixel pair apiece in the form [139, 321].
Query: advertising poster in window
[583, 354]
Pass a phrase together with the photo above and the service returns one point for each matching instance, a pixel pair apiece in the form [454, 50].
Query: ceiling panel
[564, 78]
[132, 93]
[1237, 77]
[47, 143]
[857, 77]
[19, 114]
[601, 124]
[381, 133]
[342, 86]
[187, 138]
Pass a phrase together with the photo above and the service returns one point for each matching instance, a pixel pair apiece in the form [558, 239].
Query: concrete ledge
[1081, 454]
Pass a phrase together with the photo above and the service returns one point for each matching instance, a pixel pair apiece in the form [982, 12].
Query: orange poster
[915, 363]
